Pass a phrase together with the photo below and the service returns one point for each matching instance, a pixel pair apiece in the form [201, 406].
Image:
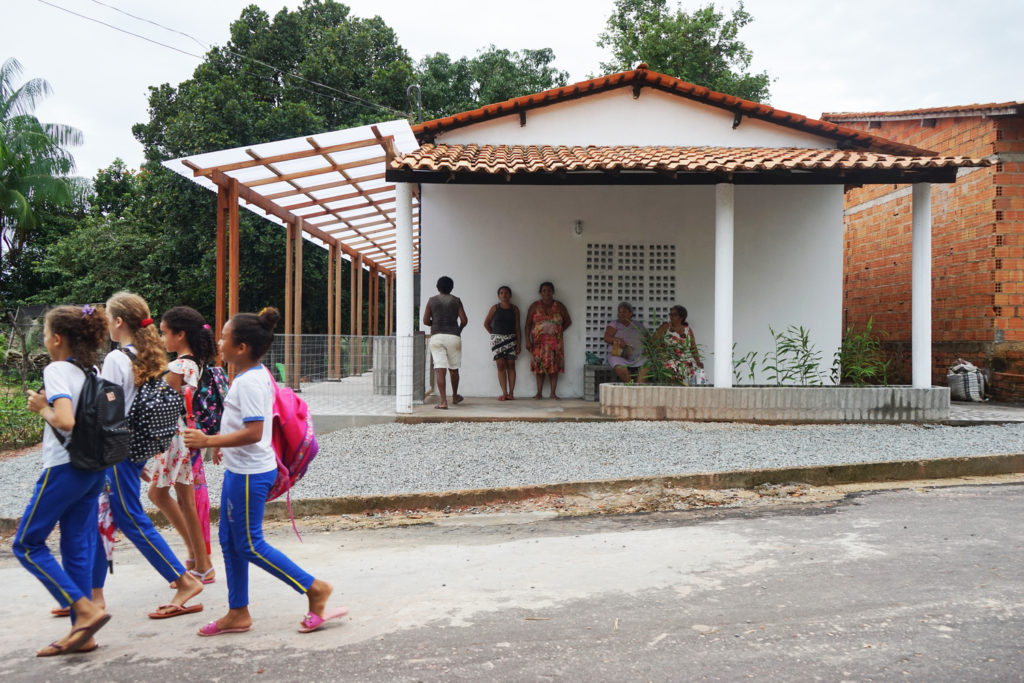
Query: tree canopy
[33, 156]
[493, 75]
[701, 47]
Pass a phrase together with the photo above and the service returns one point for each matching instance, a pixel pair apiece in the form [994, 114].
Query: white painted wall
[788, 259]
[616, 118]
[789, 266]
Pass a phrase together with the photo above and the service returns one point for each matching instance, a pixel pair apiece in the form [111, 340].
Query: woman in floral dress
[546, 321]
[681, 356]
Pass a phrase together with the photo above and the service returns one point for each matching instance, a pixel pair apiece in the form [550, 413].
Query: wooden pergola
[329, 189]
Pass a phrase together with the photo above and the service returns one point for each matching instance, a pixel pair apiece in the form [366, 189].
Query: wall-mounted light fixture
[577, 228]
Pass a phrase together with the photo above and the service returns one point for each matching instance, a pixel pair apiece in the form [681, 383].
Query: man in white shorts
[446, 318]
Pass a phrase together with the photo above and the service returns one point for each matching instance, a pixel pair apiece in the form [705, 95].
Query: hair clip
[206, 326]
[262, 310]
[145, 322]
[87, 310]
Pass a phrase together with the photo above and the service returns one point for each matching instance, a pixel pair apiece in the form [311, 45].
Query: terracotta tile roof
[642, 77]
[1001, 108]
[522, 159]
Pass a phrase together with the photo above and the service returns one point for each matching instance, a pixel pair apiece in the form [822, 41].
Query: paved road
[922, 584]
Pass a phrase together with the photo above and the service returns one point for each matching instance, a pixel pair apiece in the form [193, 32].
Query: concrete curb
[819, 475]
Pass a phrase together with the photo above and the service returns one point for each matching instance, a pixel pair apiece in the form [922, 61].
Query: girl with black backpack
[130, 325]
[65, 494]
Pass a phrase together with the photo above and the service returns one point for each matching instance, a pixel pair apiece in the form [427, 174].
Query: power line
[352, 99]
[118, 28]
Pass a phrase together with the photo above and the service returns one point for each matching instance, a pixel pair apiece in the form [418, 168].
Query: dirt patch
[18, 452]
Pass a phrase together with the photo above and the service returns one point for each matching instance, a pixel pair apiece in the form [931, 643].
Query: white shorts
[446, 350]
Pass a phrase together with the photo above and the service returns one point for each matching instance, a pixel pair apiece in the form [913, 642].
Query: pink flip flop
[212, 629]
[312, 622]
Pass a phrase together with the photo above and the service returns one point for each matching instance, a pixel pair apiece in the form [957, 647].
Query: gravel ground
[396, 458]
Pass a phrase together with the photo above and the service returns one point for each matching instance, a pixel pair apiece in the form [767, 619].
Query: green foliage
[860, 359]
[793, 358]
[18, 426]
[33, 156]
[748, 361]
[701, 47]
[494, 75]
[657, 354]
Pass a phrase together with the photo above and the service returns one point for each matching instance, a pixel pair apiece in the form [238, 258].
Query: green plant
[748, 361]
[793, 359]
[860, 359]
[18, 426]
[661, 360]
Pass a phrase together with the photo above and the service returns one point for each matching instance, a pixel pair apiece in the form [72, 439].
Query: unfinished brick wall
[977, 250]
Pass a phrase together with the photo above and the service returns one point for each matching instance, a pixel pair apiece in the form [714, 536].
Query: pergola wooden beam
[324, 186]
[323, 170]
[291, 156]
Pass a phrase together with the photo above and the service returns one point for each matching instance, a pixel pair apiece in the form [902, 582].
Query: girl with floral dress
[185, 333]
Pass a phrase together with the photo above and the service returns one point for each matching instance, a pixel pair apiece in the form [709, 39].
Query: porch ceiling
[335, 182]
[660, 165]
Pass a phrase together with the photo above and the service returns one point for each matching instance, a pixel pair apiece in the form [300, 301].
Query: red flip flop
[176, 612]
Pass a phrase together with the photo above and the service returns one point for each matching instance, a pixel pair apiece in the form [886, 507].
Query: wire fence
[346, 374]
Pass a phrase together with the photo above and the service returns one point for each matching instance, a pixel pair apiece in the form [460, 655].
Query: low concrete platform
[480, 409]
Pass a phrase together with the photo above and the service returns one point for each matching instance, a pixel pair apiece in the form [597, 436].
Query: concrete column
[404, 313]
[921, 299]
[724, 219]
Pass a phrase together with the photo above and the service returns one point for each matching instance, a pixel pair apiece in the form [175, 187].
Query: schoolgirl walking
[64, 494]
[244, 445]
[186, 334]
[130, 325]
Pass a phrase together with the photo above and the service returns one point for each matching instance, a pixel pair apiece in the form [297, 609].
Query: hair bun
[269, 317]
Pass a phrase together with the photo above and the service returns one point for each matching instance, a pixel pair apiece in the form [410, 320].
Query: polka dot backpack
[153, 418]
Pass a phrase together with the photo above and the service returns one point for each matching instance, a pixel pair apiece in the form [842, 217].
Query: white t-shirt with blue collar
[118, 368]
[250, 399]
[62, 379]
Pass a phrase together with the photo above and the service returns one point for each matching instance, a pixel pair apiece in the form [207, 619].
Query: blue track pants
[63, 495]
[131, 519]
[242, 501]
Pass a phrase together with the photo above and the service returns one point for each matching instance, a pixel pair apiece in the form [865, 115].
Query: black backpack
[101, 434]
[153, 417]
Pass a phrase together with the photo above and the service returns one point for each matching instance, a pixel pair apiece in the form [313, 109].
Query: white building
[644, 188]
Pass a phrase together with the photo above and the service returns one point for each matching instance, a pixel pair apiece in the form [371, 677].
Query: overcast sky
[826, 55]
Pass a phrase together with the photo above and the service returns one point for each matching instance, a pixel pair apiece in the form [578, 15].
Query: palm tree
[34, 160]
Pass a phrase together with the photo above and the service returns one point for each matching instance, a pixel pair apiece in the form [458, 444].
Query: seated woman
[625, 345]
[681, 356]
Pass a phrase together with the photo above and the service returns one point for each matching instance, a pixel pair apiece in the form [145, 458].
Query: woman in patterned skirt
[502, 323]
[546, 321]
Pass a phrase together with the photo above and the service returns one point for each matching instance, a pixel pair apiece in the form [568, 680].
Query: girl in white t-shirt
[130, 325]
[244, 444]
[64, 494]
[186, 334]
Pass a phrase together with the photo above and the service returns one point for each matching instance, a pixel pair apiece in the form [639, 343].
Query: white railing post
[404, 313]
[921, 287]
[724, 228]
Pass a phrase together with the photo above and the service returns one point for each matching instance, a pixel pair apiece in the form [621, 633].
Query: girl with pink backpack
[244, 444]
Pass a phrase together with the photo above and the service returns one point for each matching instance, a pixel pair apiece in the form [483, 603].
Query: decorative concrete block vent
[890, 404]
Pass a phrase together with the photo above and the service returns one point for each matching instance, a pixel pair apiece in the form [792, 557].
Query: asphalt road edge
[818, 475]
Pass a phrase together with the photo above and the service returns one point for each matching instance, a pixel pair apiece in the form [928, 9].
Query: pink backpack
[293, 440]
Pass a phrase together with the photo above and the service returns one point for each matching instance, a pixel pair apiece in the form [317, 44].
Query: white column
[404, 313]
[921, 287]
[724, 194]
